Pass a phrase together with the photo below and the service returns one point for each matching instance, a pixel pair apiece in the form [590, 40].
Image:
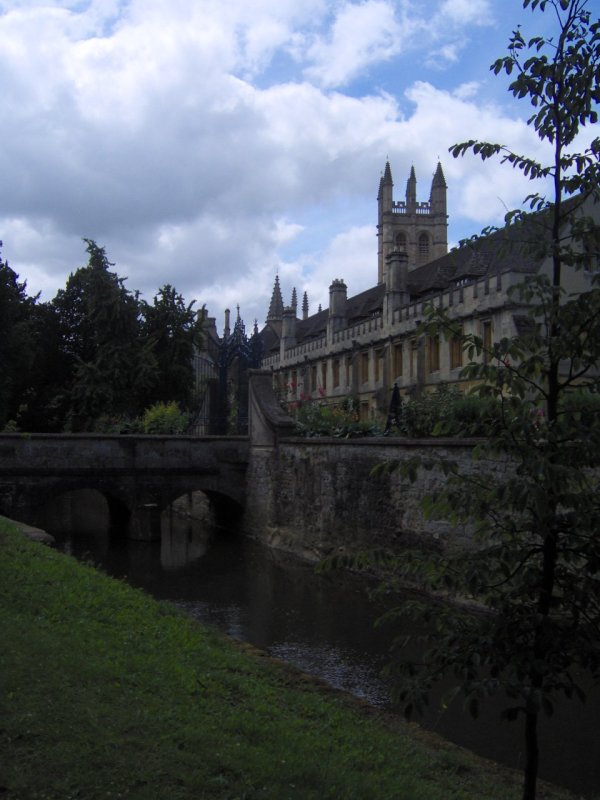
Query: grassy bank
[106, 693]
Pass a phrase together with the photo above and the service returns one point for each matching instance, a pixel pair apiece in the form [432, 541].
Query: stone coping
[31, 532]
[382, 441]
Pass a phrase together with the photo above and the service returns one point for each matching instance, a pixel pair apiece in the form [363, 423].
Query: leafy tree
[17, 342]
[535, 568]
[99, 319]
[172, 329]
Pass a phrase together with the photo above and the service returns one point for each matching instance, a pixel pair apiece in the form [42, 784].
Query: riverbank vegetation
[107, 693]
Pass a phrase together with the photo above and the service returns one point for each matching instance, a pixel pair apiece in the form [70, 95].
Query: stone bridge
[138, 475]
[305, 495]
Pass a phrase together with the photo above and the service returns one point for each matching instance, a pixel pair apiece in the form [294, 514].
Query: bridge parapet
[267, 421]
[48, 452]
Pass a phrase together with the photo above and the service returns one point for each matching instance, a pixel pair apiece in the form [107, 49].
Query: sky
[215, 144]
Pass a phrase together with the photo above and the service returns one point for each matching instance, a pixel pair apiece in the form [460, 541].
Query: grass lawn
[106, 693]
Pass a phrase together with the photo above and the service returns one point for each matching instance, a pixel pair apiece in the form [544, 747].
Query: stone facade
[364, 344]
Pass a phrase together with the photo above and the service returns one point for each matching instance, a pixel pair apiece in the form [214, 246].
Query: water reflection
[324, 625]
[182, 542]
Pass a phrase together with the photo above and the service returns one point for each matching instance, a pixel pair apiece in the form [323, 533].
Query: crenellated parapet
[400, 207]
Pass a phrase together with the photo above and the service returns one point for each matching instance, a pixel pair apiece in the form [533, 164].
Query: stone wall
[316, 496]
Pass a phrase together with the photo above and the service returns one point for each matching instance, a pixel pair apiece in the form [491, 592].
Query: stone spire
[411, 190]
[386, 188]
[276, 307]
[387, 175]
[438, 178]
[438, 204]
[294, 303]
[305, 306]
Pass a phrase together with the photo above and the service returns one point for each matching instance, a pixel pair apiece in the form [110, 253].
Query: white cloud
[286, 232]
[446, 30]
[441, 119]
[166, 132]
[361, 34]
[467, 12]
[449, 53]
[352, 256]
[466, 91]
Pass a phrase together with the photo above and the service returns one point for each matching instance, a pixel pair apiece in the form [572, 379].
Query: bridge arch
[221, 514]
[84, 509]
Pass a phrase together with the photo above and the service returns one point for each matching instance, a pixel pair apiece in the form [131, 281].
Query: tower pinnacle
[411, 189]
[387, 175]
[276, 306]
[438, 177]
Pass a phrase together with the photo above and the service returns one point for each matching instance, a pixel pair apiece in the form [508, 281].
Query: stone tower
[418, 229]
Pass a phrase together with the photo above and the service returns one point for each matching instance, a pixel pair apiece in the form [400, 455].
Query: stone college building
[364, 344]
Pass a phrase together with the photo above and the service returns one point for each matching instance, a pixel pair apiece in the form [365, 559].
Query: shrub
[341, 421]
[444, 412]
[448, 412]
[584, 405]
[117, 424]
[468, 415]
[165, 418]
[419, 416]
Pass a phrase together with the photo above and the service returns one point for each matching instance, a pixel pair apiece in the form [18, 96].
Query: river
[324, 624]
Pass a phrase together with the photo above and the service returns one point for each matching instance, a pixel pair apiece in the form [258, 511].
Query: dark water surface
[324, 625]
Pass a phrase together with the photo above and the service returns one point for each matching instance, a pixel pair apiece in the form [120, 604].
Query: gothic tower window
[336, 373]
[401, 242]
[364, 367]
[349, 371]
[378, 365]
[414, 358]
[398, 365]
[456, 352]
[486, 331]
[433, 353]
[423, 248]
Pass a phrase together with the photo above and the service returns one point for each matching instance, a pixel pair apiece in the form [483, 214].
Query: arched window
[423, 247]
[401, 242]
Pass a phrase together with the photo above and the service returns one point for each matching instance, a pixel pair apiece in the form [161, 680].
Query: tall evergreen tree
[46, 399]
[172, 329]
[112, 369]
[17, 342]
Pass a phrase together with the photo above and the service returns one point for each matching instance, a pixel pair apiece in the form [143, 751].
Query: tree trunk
[531, 756]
